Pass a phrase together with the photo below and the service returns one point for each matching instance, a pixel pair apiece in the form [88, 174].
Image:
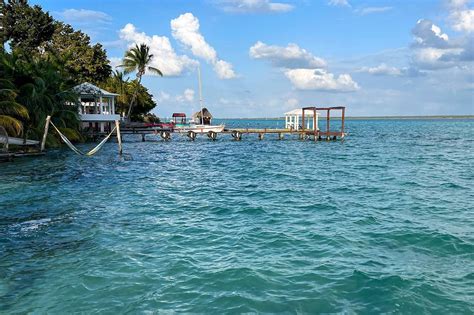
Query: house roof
[89, 89]
[205, 112]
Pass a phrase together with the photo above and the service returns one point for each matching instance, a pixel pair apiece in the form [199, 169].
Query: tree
[11, 112]
[33, 32]
[26, 27]
[143, 102]
[83, 61]
[138, 59]
[42, 89]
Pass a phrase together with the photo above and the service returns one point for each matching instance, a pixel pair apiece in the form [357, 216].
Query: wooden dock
[237, 133]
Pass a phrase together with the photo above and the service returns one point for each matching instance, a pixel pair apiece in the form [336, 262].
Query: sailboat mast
[200, 94]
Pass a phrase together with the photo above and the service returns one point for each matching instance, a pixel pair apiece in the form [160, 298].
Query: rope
[76, 150]
[101, 144]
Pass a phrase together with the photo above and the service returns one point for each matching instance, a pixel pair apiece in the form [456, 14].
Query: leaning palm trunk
[134, 98]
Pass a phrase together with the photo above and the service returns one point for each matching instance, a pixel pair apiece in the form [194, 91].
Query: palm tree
[138, 59]
[118, 79]
[42, 89]
[11, 112]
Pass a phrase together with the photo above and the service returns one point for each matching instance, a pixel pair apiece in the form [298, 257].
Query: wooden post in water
[119, 137]
[342, 121]
[46, 128]
[302, 120]
[327, 124]
[314, 124]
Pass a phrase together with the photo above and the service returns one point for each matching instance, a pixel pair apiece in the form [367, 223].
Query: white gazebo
[97, 109]
[293, 119]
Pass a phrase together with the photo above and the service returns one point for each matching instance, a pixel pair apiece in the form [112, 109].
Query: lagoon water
[383, 222]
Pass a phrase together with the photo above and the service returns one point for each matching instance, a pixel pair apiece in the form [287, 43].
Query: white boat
[204, 118]
[199, 128]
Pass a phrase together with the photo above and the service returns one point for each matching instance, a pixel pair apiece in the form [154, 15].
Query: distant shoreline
[373, 117]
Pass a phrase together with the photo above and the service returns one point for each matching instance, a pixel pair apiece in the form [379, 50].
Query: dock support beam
[237, 135]
[192, 135]
[212, 135]
[46, 128]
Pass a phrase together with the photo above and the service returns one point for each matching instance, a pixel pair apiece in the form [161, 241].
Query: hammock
[76, 150]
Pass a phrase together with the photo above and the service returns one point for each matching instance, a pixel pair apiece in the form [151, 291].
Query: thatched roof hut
[207, 117]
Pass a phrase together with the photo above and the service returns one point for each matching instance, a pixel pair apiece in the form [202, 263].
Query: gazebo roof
[299, 112]
[89, 89]
[178, 115]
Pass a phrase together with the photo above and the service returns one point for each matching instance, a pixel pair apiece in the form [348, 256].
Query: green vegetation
[129, 92]
[45, 59]
[33, 89]
[138, 59]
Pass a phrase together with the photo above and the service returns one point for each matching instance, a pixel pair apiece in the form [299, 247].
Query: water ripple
[381, 223]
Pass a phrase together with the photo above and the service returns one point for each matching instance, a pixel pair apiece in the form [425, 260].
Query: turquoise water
[383, 222]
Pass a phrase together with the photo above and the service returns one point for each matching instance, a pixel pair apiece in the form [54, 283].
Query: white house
[97, 110]
[293, 119]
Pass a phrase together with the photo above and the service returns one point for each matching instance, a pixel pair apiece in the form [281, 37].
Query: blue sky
[260, 58]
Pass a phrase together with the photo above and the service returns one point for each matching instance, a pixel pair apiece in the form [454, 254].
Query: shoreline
[444, 117]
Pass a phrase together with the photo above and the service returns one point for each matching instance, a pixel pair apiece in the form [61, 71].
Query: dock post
[315, 129]
[327, 122]
[342, 122]
[46, 128]
[119, 136]
[143, 137]
[280, 136]
[212, 135]
[192, 135]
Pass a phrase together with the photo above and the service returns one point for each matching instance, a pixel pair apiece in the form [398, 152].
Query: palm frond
[155, 70]
[13, 126]
[12, 108]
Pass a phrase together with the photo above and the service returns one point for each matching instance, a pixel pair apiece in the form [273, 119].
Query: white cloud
[253, 6]
[164, 56]
[185, 29]
[382, 69]
[189, 95]
[456, 4]
[385, 70]
[80, 16]
[371, 10]
[461, 16]
[162, 97]
[115, 61]
[339, 3]
[462, 20]
[319, 79]
[436, 58]
[433, 49]
[427, 34]
[186, 97]
[291, 56]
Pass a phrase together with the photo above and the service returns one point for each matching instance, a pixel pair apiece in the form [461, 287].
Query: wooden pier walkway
[237, 133]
